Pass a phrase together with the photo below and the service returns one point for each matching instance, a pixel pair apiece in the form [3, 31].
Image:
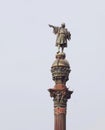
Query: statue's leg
[62, 48]
[58, 48]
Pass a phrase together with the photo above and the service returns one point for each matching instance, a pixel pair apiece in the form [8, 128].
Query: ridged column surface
[60, 121]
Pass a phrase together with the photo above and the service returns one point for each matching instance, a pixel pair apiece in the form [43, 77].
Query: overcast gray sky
[27, 51]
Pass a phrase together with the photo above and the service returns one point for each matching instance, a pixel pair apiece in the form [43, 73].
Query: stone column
[60, 72]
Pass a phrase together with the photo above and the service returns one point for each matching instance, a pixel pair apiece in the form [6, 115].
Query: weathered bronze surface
[62, 36]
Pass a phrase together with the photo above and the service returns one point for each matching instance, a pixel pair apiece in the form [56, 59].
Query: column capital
[60, 96]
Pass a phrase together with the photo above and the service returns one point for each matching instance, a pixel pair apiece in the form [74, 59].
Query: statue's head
[63, 25]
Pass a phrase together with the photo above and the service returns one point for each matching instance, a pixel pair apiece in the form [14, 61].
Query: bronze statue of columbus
[62, 36]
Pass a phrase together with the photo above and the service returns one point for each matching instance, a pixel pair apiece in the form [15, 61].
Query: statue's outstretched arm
[55, 29]
[51, 26]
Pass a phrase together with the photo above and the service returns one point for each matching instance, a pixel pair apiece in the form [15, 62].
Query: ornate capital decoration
[60, 97]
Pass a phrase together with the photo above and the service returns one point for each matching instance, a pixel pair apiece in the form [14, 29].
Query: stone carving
[60, 96]
[62, 36]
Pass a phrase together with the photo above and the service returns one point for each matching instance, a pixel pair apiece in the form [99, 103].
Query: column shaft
[60, 122]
